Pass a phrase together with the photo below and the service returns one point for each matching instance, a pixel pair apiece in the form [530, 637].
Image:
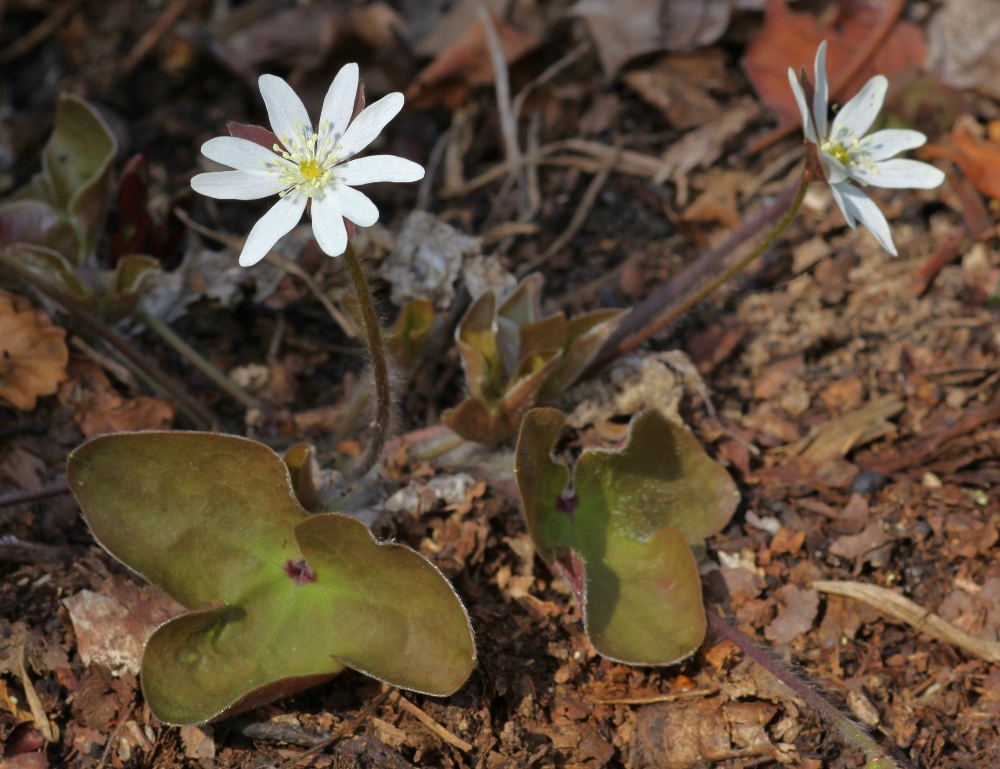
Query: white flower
[309, 165]
[847, 155]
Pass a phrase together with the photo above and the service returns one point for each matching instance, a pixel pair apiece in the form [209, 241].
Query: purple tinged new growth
[300, 571]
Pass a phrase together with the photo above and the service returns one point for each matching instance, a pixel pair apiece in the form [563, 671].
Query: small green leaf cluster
[53, 223]
[514, 358]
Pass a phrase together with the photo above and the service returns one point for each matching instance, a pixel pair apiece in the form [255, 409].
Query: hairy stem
[198, 412]
[852, 732]
[380, 367]
[649, 317]
[195, 358]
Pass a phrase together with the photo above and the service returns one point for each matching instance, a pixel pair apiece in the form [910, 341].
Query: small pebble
[868, 482]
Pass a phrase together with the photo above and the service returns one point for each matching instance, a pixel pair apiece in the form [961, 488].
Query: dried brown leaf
[33, 353]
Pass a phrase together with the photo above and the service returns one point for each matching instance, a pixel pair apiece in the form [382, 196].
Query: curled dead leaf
[99, 408]
[466, 64]
[33, 353]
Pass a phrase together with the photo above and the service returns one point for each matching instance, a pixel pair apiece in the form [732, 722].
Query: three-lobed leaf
[623, 535]
[280, 599]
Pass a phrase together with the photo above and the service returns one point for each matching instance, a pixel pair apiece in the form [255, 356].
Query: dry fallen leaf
[797, 615]
[963, 41]
[718, 203]
[466, 64]
[677, 86]
[790, 39]
[625, 29]
[33, 353]
[112, 626]
[98, 408]
[979, 160]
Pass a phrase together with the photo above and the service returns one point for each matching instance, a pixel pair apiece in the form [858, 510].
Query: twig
[152, 35]
[121, 373]
[196, 359]
[430, 170]
[48, 730]
[579, 217]
[236, 242]
[40, 32]
[691, 300]
[548, 74]
[33, 495]
[114, 736]
[380, 367]
[669, 697]
[343, 731]
[508, 119]
[430, 723]
[33, 552]
[973, 419]
[654, 304]
[905, 610]
[595, 154]
[948, 249]
[175, 389]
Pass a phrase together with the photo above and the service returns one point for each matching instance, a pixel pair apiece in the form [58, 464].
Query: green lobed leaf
[281, 599]
[623, 537]
[77, 163]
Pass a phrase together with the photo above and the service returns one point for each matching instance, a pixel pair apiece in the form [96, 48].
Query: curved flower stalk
[308, 164]
[851, 158]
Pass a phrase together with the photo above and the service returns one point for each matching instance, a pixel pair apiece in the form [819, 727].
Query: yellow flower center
[310, 169]
[838, 151]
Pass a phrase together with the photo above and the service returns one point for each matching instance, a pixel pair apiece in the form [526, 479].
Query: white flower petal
[328, 225]
[833, 168]
[900, 173]
[856, 117]
[356, 206]
[271, 227]
[821, 97]
[838, 198]
[369, 124]
[288, 116]
[338, 106]
[241, 154]
[379, 168]
[237, 185]
[882, 145]
[861, 207]
[800, 99]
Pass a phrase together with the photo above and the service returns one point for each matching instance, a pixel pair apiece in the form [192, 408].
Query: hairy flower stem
[195, 358]
[677, 310]
[854, 733]
[380, 368]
